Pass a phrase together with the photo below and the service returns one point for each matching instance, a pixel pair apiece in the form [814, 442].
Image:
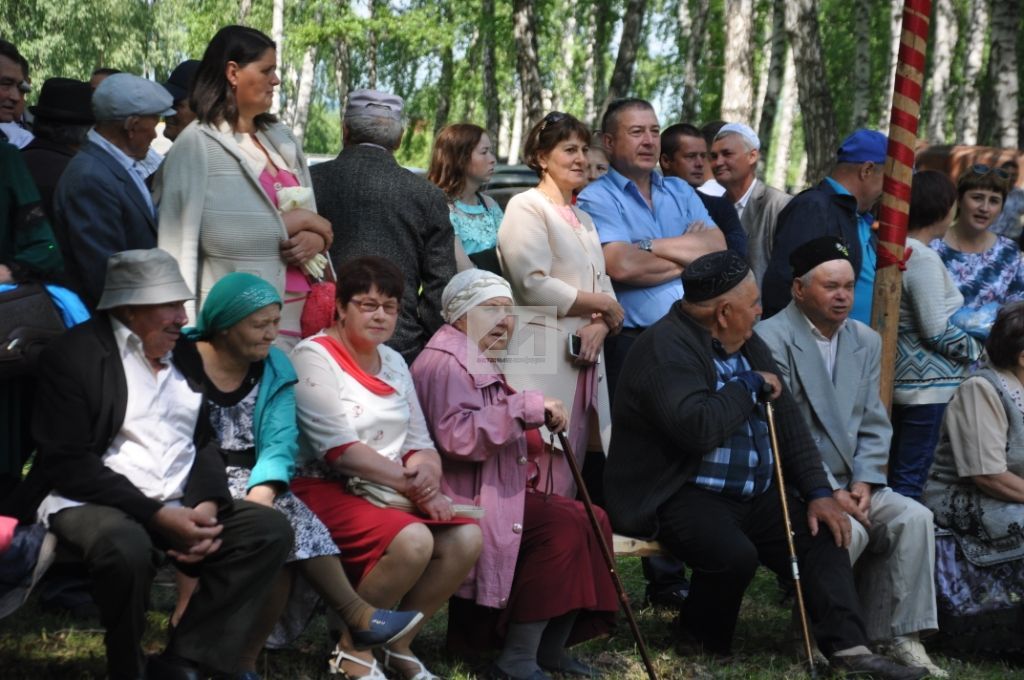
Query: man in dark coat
[377, 207]
[115, 423]
[691, 465]
[102, 204]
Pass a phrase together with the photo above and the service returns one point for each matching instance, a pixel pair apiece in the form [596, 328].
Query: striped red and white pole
[899, 170]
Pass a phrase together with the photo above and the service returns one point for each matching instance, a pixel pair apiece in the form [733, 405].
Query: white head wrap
[745, 131]
[469, 288]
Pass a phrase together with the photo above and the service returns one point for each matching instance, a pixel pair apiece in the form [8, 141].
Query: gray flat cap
[123, 94]
[374, 103]
[143, 277]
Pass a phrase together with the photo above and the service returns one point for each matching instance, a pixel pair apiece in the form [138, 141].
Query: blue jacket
[99, 211]
[276, 428]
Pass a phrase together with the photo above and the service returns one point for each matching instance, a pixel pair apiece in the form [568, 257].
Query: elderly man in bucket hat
[102, 204]
[116, 423]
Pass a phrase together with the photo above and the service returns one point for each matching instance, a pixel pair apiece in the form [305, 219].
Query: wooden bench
[626, 545]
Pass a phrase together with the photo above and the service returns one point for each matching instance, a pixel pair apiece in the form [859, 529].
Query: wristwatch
[645, 244]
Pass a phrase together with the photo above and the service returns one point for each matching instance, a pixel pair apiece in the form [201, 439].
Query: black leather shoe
[170, 667]
[671, 599]
[874, 666]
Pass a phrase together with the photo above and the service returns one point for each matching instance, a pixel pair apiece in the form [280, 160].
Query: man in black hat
[179, 84]
[831, 365]
[63, 117]
[690, 465]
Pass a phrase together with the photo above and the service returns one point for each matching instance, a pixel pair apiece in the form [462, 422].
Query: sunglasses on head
[981, 169]
[551, 119]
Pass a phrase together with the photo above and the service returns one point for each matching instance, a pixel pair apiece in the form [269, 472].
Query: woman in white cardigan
[218, 190]
[551, 254]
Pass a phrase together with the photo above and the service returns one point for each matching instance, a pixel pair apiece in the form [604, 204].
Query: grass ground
[35, 644]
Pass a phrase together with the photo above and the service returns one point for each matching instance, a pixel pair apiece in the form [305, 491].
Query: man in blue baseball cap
[840, 205]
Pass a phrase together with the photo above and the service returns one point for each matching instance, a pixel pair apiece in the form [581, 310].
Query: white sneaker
[910, 652]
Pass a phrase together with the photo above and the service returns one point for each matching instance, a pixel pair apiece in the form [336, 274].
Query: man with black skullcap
[831, 365]
[690, 465]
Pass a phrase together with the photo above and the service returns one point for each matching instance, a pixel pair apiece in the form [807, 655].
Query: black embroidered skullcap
[811, 254]
[713, 274]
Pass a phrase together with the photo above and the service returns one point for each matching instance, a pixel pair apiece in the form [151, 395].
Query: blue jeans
[915, 432]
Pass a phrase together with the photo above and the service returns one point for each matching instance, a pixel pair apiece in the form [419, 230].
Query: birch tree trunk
[304, 96]
[602, 35]
[589, 108]
[515, 142]
[784, 141]
[1002, 68]
[564, 66]
[444, 83]
[491, 102]
[372, 41]
[622, 74]
[244, 7]
[692, 17]
[816, 110]
[862, 63]
[777, 63]
[527, 67]
[737, 86]
[895, 29]
[341, 68]
[942, 65]
[277, 35]
[970, 94]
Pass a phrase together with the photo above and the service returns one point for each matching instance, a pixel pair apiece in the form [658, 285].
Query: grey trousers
[121, 556]
[894, 566]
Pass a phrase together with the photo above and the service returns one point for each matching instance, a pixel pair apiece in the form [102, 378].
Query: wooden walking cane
[609, 558]
[794, 565]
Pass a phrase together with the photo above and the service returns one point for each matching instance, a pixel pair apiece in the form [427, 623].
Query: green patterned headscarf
[231, 299]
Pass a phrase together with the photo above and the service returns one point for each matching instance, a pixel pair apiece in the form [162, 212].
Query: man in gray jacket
[831, 365]
[377, 207]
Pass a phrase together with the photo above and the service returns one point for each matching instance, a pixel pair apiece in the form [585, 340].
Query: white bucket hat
[143, 277]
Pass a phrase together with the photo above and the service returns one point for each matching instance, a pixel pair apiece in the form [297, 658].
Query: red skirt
[559, 569]
[360, 529]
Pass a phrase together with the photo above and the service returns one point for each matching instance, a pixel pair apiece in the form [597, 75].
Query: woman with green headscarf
[249, 391]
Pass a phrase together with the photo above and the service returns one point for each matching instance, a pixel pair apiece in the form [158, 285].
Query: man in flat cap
[102, 204]
[690, 465]
[734, 155]
[377, 207]
[840, 205]
[115, 424]
[830, 364]
[179, 85]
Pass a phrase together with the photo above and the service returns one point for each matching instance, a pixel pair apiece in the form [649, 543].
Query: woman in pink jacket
[540, 583]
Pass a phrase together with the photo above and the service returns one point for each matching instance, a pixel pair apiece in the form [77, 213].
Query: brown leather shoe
[874, 666]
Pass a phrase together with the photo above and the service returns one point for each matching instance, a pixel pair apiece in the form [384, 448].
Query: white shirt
[17, 135]
[742, 203]
[137, 170]
[712, 188]
[154, 447]
[827, 346]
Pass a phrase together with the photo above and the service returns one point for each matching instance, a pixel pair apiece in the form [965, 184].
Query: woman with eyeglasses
[363, 436]
[462, 162]
[986, 267]
[552, 257]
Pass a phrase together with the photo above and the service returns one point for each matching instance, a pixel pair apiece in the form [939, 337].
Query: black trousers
[122, 556]
[723, 540]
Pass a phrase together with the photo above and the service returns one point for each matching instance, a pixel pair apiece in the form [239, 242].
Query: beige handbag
[384, 496]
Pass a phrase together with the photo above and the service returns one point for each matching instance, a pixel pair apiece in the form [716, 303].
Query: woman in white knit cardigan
[933, 355]
[218, 188]
[551, 254]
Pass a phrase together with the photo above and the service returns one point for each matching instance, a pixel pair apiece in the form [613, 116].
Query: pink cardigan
[478, 424]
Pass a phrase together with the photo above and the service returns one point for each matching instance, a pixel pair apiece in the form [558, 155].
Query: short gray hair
[362, 128]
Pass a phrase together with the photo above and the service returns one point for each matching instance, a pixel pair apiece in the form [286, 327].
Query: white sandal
[339, 655]
[421, 674]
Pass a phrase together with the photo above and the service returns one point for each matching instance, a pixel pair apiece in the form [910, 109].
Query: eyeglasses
[552, 118]
[981, 169]
[23, 86]
[370, 306]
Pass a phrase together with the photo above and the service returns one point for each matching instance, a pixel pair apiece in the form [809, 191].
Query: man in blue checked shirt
[690, 466]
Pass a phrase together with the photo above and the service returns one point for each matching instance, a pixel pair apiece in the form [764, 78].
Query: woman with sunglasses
[986, 267]
[551, 254]
[361, 427]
